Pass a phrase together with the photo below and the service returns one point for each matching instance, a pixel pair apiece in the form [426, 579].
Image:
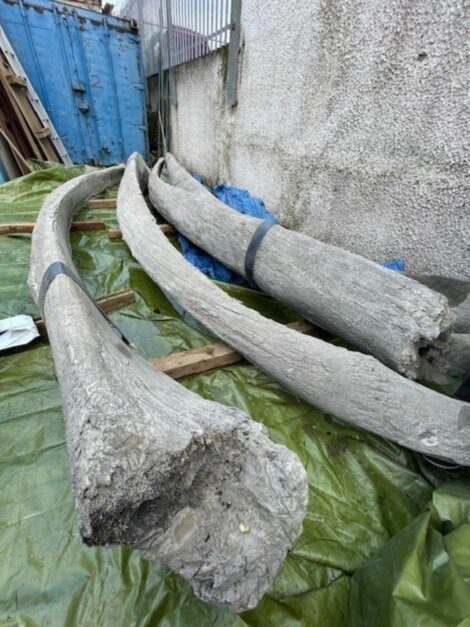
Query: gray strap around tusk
[253, 247]
[56, 268]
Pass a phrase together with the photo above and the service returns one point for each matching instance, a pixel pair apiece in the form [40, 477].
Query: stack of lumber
[25, 129]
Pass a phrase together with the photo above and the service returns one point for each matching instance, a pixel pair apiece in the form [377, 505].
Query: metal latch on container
[78, 86]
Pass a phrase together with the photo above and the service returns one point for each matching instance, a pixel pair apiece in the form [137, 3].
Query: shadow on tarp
[373, 551]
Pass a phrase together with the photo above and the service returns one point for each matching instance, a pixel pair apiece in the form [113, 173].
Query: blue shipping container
[87, 70]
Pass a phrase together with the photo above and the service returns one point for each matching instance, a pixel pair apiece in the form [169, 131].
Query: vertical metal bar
[82, 74]
[113, 78]
[170, 38]
[220, 19]
[201, 23]
[91, 124]
[220, 22]
[197, 15]
[203, 27]
[69, 76]
[211, 23]
[204, 24]
[40, 75]
[227, 21]
[233, 47]
[160, 84]
[191, 34]
[185, 38]
[176, 21]
[180, 31]
[165, 83]
[192, 18]
[207, 28]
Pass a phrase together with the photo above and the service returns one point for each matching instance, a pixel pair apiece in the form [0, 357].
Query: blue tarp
[240, 200]
[395, 264]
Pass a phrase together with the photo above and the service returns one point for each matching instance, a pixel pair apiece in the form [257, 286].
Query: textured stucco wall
[351, 124]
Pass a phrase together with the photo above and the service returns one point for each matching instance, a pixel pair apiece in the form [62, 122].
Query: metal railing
[176, 31]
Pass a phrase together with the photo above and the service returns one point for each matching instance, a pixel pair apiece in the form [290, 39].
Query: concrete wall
[351, 124]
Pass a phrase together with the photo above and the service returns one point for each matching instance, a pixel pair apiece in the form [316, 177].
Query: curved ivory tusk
[350, 385]
[457, 292]
[453, 360]
[382, 312]
[191, 483]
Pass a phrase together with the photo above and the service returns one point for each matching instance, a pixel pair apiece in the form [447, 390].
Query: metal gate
[175, 32]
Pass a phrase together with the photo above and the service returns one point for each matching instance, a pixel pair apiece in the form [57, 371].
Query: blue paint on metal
[87, 70]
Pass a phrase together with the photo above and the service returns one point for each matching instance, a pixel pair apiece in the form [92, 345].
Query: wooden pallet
[25, 128]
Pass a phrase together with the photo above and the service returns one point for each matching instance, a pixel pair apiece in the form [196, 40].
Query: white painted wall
[351, 124]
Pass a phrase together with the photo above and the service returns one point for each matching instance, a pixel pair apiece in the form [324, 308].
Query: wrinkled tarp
[395, 264]
[385, 540]
[243, 202]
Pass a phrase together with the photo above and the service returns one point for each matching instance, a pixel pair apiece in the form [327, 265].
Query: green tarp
[386, 540]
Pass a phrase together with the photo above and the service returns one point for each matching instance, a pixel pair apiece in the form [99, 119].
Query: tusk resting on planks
[197, 360]
[382, 312]
[168, 229]
[354, 387]
[189, 482]
[106, 304]
[115, 234]
[102, 203]
[28, 227]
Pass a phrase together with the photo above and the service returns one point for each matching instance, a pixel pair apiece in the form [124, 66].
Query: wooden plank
[88, 226]
[19, 118]
[17, 70]
[197, 360]
[38, 133]
[102, 203]
[23, 164]
[27, 227]
[16, 80]
[107, 304]
[217, 355]
[167, 229]
[43, 132]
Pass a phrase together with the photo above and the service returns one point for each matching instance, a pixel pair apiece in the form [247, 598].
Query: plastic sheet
[368, 517]
[16, 331]
[422, 576]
